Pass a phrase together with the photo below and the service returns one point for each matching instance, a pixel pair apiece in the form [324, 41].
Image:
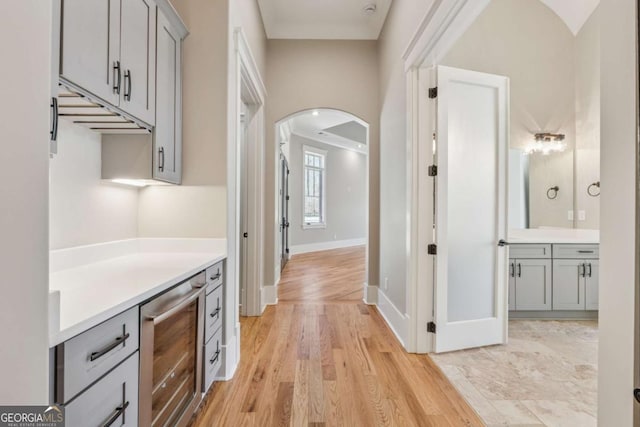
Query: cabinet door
[113, 400]
[167, 141]
[568, 284]
[137, 57]
[533, 284]
[592, 284]
[90, 46]
[512, 284]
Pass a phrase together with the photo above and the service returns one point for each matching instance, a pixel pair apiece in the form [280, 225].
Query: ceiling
[331, 127]
[573, 12]
[323, 19]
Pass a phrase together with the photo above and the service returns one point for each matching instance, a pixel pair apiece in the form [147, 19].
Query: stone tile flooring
[545, 376]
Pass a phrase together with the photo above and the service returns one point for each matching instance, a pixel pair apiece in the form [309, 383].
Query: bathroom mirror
[554, 74]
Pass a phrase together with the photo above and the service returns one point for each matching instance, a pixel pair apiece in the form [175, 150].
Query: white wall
[346, 203]
[307, 74]
[618, 215]
[587, 170]
[83, 209]
[25, 46]
[402, 22]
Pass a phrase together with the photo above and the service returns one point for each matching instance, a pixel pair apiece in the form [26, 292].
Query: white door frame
[441, 27]
[247, 86]
[370, 292]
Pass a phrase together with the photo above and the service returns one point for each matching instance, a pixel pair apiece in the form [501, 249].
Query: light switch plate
[582, 216]
[570, 215]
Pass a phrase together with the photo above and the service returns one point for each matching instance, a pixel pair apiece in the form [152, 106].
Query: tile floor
[545, 376]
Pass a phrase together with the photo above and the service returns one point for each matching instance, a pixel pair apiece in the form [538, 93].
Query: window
[314, 187]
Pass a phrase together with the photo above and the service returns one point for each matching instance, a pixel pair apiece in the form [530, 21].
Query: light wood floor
[330, 361]
[336, 275]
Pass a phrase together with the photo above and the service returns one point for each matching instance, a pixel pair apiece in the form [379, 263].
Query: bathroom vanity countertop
[554, 235]
[90, 284]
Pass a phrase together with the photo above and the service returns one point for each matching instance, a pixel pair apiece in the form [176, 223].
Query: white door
[471, 209]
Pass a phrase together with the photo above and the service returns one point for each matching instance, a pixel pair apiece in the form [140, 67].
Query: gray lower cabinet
[112, 401]
[575, 284]
[530, 284]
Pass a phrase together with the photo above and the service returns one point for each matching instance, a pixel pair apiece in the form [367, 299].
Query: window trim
[323, 153]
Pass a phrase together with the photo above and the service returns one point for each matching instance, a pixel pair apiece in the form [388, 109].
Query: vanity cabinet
[530, 284]
[108, 49]
[558, 278]
[167, 135]
[575, 284]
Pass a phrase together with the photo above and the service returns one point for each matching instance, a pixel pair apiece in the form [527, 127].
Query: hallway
[325, 358]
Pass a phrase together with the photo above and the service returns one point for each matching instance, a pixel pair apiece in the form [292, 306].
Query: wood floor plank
[323, 358]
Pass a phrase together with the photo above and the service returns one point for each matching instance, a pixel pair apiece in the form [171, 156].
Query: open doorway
[545, 272]
[322, 204]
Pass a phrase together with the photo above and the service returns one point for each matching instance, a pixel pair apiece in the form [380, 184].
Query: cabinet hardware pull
[161, 159]
[215, 313]
[116, 414]
[116, 77]
[585, 252]
[54, 119]
[127, 87]
[118, 341]
[216, 277]
[214, 359]
[519, 270]
[584, 270]
[512, 270]
[590, 270]
[177, 307]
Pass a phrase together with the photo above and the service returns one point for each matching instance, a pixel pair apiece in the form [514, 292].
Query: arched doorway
[322, 189]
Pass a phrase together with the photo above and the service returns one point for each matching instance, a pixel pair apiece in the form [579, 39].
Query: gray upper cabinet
[90, 46]
[167, 138]
[137, 57]
[532, 284]
[108, 50]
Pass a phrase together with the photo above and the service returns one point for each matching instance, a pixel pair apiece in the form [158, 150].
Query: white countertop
[554, 235]
[90, 284]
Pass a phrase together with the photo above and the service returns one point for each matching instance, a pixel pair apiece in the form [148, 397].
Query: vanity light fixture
[547, 143]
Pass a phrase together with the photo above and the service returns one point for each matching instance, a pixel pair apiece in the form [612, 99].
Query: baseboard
[397, 321]
[230, 357]
[325, 246]
[269, 296]
[370, 294]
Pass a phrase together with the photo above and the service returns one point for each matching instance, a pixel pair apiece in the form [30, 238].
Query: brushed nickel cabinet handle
[118, 341]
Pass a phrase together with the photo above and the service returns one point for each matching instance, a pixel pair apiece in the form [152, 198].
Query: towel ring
[552, 192]
[591, 192]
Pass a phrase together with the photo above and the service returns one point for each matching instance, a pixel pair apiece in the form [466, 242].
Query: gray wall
[400, 25]
[346, 206]
[307, 74]
[618, 248]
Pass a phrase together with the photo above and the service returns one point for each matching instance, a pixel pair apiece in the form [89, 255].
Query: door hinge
[245, 235]
[433, 92]
[432, 249]
[431, 327]
[288, 198]
[433, 170]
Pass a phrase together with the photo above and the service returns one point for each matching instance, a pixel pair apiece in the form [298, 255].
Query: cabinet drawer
[536, 251]
[212, 359]
[576, 251]
[111, 401]
[215, 276]
[88, 356]
[213, 312]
